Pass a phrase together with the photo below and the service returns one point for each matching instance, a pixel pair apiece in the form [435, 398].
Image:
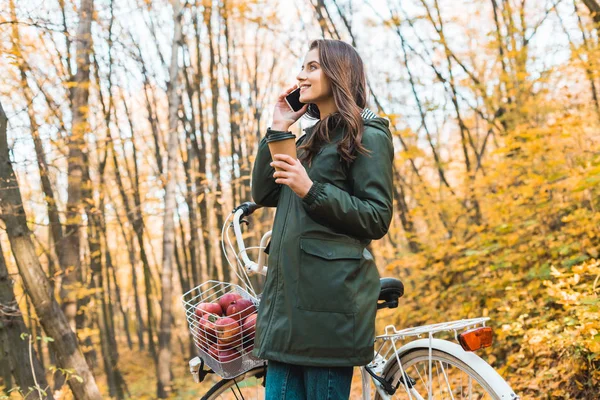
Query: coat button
[330, 253]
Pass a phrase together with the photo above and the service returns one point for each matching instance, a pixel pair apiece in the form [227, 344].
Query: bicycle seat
[391, 290]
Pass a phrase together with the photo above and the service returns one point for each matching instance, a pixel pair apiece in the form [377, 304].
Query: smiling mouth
[304, 87]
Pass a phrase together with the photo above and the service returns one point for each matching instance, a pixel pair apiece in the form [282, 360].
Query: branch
[32, 24]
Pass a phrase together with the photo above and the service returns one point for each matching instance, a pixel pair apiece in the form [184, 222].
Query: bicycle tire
[236, 386]
[421, 355]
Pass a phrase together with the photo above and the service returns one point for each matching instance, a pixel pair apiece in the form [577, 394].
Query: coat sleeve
[367, 212]
[265, 191]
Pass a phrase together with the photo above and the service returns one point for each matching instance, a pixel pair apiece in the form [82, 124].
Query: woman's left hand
[292, 174]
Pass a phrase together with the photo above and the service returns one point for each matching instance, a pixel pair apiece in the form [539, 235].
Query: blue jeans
[298, 382]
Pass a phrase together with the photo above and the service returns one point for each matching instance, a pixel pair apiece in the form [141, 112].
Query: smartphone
[293, 100]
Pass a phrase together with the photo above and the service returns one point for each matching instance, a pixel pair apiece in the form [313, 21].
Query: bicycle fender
[471, 359]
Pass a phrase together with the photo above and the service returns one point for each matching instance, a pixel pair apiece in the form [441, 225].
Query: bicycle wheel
[451, 377]
[248, 386]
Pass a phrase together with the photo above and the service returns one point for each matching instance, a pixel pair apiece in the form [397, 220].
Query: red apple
[249, 326]
[248, 331]
[210, 308]
[200, 338]
[227, 299]
[229, 344]
[230, 356]
[240, 309]
[207, 325]
[228, 329]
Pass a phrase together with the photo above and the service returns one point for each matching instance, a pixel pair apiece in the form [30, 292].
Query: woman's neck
[326, 107]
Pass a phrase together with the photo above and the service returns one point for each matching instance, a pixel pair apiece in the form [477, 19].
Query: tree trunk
[76, 162]
[17, 343]
[140, 327]
[216, 156]
[164, 335]
[193, 272]
[234, 113]
[201, 176]
[51, 317]
[136, 220]
[53, 212]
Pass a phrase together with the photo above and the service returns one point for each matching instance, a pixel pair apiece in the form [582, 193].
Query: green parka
[319, 301]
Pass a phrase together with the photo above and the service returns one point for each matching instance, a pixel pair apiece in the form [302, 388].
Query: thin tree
[77, 163]
[215, 148]
[164, 333]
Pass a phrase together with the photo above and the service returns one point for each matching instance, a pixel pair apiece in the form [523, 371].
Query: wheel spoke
[446, 379]
[452, 379]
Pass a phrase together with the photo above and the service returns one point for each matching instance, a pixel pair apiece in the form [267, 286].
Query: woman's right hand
[283, 115]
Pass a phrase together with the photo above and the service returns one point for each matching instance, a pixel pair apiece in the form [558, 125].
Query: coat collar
[366, 114]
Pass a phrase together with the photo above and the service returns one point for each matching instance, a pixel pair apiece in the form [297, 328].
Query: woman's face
[314, 85]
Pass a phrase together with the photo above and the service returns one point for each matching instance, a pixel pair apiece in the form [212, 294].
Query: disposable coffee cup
[282, 143]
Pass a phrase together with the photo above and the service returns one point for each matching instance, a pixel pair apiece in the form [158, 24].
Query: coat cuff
[271, 131]
[313, 193]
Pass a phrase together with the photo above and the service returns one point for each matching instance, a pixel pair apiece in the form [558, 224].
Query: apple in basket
[229, 344]
[227, 299]
[206, 326]
[210, 308]
[228, 329]
[240, 309]
[248, 331]
[200, 338]
[225, 355]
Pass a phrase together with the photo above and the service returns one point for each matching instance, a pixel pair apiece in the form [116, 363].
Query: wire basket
[221, 317]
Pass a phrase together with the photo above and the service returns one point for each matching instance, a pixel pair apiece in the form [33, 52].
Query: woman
[316, 318]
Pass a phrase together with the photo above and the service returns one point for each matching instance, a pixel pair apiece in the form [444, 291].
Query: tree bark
[76, 162]
[17, 343]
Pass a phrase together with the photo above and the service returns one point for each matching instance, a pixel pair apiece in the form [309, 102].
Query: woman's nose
[300, 77]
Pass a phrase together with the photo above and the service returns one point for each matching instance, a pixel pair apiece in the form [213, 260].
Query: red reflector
[477, 338]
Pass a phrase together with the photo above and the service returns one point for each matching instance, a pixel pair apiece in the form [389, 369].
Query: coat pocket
[327, 275]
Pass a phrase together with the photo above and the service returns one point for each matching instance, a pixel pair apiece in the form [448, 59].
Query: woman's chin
[305, 99]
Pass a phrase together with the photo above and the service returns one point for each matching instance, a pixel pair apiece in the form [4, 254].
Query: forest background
[127, 135]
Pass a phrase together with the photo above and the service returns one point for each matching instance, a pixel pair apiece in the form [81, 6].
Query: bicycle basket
[224, 342]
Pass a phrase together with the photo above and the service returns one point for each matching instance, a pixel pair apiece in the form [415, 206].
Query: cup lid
[277, 136]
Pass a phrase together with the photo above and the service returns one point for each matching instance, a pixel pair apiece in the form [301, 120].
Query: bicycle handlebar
[247, 207]
[250, 266]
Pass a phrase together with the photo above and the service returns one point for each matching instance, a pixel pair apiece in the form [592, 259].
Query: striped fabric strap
[368, 114]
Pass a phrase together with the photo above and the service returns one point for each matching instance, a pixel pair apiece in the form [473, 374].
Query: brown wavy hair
[345, 70]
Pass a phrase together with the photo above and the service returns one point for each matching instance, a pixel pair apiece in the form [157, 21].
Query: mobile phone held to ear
[293, 100]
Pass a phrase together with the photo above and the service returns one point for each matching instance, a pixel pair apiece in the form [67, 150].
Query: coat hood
[379, 123]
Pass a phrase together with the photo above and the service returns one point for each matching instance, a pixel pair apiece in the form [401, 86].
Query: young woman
[316, 318]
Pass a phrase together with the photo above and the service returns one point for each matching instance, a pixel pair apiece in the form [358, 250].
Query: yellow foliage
[531, 263]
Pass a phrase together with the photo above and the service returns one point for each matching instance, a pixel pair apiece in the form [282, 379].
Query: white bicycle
[424, 367]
